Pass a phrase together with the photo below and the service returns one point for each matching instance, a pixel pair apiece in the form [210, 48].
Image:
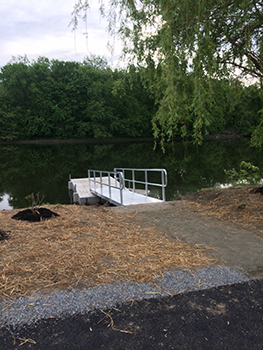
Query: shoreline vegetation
[52, 101]
[60, 141]
[218, 136]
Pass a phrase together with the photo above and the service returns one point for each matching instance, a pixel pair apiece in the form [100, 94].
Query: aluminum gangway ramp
[120, 187]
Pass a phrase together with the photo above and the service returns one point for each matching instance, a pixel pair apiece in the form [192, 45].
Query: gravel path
[67, 303]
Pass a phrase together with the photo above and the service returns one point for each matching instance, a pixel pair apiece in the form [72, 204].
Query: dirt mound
[242, 205]
[33, 215]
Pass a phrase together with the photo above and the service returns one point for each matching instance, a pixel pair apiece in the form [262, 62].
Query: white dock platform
[128, 197]
[81, 191]
[84, 192]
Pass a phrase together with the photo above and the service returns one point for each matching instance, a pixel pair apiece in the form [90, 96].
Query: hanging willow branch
[185, 46]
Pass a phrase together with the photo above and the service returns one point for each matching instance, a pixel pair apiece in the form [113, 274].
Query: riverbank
[85, 247]
[227, 220]
[208, 227]
[228, 134]
[226, 317]
[77, 141]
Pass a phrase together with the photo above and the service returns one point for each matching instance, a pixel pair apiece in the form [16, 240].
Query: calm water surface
[45, 168]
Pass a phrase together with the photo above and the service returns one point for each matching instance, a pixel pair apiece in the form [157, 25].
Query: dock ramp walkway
[122, 186]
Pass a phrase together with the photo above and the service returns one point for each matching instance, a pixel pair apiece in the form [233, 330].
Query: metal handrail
[145, 182]
[117, 175]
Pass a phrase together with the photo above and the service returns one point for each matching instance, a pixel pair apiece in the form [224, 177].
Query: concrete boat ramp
[117, 187]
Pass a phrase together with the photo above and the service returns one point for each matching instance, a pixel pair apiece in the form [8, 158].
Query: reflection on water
[4, 203]
[45, 168]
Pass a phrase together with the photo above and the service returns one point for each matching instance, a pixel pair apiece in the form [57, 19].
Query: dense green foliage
[56, 99]
[186, 45]
[247, 174]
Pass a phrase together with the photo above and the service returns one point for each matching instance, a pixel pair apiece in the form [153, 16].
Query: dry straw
[86, 247]
[241, 205]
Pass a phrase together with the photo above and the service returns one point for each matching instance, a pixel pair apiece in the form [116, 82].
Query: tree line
[56, 99]
[47, 99]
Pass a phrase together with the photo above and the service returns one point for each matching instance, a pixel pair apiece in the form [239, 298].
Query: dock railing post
[89, 178]
[101, 187]
[122, 185]
[123, 178]
[133, 180]
[164, 183]
[115, 177]
[75, 195]
[163, 192]
[94, 180]
[109, 185]
[146, 184]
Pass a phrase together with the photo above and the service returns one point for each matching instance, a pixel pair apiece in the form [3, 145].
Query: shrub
[248, 174]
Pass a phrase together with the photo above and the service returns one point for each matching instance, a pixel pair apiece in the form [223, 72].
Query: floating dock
[111, 188]
[83, 192]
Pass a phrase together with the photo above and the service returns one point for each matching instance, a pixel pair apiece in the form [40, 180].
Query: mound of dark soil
[34, 214]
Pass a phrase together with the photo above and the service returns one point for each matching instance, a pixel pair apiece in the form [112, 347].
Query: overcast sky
[40, 28]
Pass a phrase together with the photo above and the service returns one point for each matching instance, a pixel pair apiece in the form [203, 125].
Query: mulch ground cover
[240, 205]
[3, 235]
[116, 248]
[84, 247]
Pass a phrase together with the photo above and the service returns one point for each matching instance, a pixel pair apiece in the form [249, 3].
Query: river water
[45, 168]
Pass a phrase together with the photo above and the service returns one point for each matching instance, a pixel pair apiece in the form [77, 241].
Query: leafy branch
[247, 174]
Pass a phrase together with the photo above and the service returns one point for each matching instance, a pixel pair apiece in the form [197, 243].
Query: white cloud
[40, 28]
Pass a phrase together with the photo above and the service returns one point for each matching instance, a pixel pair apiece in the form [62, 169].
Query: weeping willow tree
[185, 45]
